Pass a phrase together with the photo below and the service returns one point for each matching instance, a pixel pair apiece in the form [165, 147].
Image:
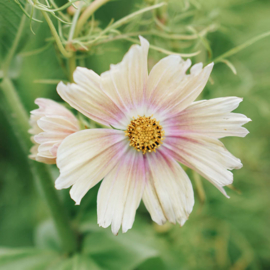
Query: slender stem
[199, 186]
[87, 13]
[72, 59]
[124, 20]
[56, 36]
[15, 44]
[240, 47]
[60, 12]
[74, 22]
[18, 119]
[16, 111]
[71, 66]
[58, 212]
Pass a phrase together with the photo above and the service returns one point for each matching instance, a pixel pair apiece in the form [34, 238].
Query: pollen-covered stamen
[145, 134]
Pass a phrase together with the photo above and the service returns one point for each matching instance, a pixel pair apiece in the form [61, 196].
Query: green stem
[72, 59]
[89, 11]
[56, 36]
[240, 47]
[62, 223]
[199, 186]
[13, 49]
[16, 111]
[18, 118]
[74, 22]
[71, 66]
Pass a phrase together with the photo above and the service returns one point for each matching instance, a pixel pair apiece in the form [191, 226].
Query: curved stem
[87, 13]
[56, 36]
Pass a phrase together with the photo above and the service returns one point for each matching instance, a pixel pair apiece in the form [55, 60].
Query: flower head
[50, 124]
[156, 124]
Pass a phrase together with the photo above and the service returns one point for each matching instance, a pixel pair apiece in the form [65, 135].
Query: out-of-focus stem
[16, 112]
[199, 186]
[18, 119]
[15, 44]
[95, 5]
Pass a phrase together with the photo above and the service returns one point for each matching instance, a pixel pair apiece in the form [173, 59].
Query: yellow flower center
[145, 134]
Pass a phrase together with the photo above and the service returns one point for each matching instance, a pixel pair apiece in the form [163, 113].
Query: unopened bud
[71, 9]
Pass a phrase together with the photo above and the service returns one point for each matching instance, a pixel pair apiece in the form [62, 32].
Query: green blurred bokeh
[221, 233]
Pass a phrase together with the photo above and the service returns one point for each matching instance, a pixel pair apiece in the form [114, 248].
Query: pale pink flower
[157, 114]
[50, 124]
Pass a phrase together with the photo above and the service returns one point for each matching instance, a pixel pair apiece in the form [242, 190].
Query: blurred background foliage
[221, 233]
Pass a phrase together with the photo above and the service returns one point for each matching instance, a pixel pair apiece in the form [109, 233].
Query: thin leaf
[230, 65]
[241, 47]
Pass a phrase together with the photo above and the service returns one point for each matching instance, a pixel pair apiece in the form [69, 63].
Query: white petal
[172, 187]
[54, 149]
[151, 201]
[45, 137]
[209, 117]
[87, 97]
[35, 129]
[168, 73]
[205, 155]
[50, 123]
[57, 124]
[87, 156]
[48, 107]
[196, 69]
[54, 129]
[126, 82]
[121, 191]
[34, 151]
[45, 160]
[170, 90]
[44, 150]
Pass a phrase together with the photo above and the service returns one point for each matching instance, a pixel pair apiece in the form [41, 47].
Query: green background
[221, 233]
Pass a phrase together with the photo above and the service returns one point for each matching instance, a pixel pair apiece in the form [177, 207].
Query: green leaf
[26, 259]
[10, 16]
[125, 251]
[78, 262]
[10, 21]
[46, 236]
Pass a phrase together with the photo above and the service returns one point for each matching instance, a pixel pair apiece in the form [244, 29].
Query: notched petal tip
[196, 69]
[144, 42]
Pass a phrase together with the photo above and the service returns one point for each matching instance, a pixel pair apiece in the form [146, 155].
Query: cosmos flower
[50, 124]
[153, 123]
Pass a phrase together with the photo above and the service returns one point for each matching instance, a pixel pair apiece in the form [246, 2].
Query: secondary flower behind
[156, 124]
[50, 124]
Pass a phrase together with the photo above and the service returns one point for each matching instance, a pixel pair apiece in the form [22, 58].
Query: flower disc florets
[145, 134]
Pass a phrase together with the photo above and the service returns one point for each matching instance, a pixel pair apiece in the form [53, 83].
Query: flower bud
[50, 124]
